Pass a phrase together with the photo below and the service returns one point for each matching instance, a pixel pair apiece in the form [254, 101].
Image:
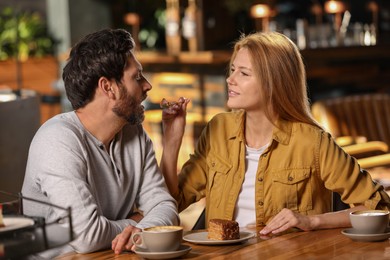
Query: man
[97, 159]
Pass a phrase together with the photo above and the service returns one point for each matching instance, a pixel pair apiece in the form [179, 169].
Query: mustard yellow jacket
[299, 170]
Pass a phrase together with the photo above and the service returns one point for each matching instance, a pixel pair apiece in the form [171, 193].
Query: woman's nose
[229, 79]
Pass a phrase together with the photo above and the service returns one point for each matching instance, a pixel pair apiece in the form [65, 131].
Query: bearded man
[98, 159]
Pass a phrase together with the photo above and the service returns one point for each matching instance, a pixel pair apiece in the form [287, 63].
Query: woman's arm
[287, 219]
[174, 121]
[340, 172]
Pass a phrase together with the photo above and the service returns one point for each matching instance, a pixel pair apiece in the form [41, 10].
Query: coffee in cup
[370, 221]
[159, 238]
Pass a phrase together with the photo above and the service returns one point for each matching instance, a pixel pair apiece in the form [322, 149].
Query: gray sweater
[67, 166]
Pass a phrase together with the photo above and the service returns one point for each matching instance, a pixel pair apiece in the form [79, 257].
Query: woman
[267, 162]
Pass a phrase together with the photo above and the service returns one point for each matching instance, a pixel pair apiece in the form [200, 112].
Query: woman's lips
[232, 93]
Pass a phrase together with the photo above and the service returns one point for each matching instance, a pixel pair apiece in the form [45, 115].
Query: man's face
[133, 90]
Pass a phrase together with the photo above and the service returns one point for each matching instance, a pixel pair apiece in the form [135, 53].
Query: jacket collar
[238, 126]
[281, 133]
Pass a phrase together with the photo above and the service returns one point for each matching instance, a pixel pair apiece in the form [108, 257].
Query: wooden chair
[360, 124]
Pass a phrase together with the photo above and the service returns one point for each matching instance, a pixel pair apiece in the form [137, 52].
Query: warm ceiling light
[373, 6]
[334, 7]
[132, 19]
[316, 9]
[260, 11]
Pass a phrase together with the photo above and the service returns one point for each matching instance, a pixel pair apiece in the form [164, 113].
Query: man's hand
[122, 241]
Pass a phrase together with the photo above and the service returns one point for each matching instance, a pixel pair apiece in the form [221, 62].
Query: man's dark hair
[100, 54]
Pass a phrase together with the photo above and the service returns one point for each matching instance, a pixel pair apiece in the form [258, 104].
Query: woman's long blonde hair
[280, 70]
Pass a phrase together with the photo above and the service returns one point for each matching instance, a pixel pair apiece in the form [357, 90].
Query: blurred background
[185, 45]
[344, 43]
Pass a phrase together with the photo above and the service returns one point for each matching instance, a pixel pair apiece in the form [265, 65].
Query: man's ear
[106, 87]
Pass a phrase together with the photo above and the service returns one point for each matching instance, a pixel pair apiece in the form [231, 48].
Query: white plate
[354, 235]
[13, 223]
[183, 249]
[201, 238]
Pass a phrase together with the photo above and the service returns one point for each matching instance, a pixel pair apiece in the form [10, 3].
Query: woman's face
[244, 90]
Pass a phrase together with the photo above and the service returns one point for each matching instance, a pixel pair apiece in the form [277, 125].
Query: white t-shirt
[245, 213]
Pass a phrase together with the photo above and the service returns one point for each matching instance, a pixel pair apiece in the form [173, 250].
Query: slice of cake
[1, 216]
[223, 229]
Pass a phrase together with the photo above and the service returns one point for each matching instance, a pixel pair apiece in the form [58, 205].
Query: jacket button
[213, 164]
[261, 203]
[290, 178]
[260, 179]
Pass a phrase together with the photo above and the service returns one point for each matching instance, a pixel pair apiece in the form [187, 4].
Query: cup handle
[136, 241]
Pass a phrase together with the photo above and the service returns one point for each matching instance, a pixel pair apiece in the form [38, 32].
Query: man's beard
[129, 108]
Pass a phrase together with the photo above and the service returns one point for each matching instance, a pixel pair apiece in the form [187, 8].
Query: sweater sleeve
[153, 198]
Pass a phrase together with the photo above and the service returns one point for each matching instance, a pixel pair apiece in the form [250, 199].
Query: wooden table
[321, 244]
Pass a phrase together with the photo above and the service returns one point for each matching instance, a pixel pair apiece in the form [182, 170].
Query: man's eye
[138, 77]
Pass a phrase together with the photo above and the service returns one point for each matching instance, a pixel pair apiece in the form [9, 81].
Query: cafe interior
[184, 47]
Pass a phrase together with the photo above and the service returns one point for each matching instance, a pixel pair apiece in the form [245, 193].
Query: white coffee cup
[370, 221]
[159, 238]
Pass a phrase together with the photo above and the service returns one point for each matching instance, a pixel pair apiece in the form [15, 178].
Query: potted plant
[23, 35]
[27, 58]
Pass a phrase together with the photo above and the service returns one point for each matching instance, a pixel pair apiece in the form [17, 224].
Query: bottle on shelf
[172, 27]
[192, 26]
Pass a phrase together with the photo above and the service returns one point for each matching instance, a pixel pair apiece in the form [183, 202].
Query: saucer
[201, 238]
[354, 235]
[14, 223]
[183, 249]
